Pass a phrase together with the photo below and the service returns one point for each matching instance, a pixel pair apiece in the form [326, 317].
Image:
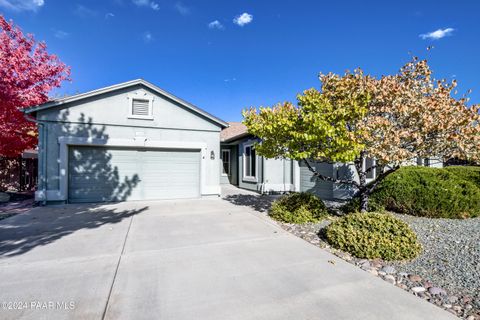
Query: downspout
[41, 153]
[262, 186]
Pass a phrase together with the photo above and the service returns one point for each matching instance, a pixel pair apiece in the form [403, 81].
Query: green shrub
[430, 192]
[373, 235]
[452, 192]
[471, 174]
[298, 208]
[353, 206]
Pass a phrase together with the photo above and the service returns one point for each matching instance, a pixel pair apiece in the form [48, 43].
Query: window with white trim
[141, 108]
[249, 162]
[225, 162]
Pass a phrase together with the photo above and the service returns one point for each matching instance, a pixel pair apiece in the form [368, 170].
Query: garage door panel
[171, 174]
[101, 174]
[98, 174]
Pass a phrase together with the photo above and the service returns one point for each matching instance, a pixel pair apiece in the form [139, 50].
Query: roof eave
[239, 136]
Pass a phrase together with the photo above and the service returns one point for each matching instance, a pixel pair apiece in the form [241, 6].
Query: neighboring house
[131, 141]
[241, 166]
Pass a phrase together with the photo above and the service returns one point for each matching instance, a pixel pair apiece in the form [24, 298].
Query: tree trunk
[364, 201]
[362, 189]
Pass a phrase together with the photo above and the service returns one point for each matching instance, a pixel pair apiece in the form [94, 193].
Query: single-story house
[135, 141]
[242, 167]
[130, 141]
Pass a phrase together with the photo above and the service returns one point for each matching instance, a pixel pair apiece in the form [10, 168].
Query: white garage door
[98, 174]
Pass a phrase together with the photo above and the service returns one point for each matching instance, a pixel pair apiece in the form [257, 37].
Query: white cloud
[22, 5]
[243, 19]
[216, 25]
[147, 3]
[437, 34]
[60, 34]
[143, 3]
[147, 36]
[182, 9]
[109, 15]
[84, 12]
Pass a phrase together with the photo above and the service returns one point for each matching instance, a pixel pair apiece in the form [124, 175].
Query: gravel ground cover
[447, 273]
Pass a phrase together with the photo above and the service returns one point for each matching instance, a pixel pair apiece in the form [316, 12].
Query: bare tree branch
[322, 177]
[371, 186]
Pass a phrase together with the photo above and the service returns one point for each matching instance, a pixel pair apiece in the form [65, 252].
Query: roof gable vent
[141, 107]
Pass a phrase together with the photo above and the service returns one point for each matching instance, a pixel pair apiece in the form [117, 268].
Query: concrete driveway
[198, 259]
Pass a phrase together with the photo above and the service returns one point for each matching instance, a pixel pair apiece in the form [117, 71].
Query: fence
[18, 174]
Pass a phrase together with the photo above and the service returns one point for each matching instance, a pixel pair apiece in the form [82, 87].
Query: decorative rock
[477, 302]
[452, 299]
[403, 286]
[403, 274]
[4, 197]
[373, 271]
[427, 284]
[389, 269]
[376, 263]
[447, 306]
[457, 308]
[452, 311]
[418, 289]
[389, 278]
[470, 318]
[347, 258]
[436, 291]
[422, 295]
[466, 299]
[414, 278]
[362, 261]
[382, 273]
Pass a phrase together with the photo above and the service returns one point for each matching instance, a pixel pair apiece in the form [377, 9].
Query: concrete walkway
[198, 259]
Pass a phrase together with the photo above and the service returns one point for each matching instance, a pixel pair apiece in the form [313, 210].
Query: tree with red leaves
[27, 74]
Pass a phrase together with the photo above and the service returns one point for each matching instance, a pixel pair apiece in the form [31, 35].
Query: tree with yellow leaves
[393, 119]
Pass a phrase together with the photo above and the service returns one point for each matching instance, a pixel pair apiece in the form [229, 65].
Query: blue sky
[224, 56]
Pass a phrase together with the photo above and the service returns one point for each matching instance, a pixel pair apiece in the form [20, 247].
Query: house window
[141, 108]
[249, 162]
[226, 162]
[370, 164]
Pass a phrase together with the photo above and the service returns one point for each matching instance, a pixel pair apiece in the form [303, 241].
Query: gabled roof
[81, 96]
[234, 131]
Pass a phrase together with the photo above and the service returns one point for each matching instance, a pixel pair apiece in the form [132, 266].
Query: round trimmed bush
[353, 206]
[374, 235]
[452, 192]
[468, 173]
[430, 192]
[298, 208]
